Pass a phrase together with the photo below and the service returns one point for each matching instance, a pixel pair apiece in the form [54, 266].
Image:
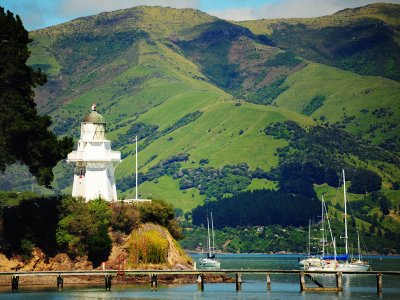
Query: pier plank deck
[199, 274]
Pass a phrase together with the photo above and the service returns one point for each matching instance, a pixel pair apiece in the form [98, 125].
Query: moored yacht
[210, 261]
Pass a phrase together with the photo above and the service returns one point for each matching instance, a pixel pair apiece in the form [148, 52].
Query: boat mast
[209, 242]
[329, 226]
[309, 237]
[213, 236]
[358, 244]
[323, 226]
[345, 213]
[136, 171]
[334, 248]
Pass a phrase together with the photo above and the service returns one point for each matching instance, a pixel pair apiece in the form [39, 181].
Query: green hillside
[221, 108]
[368, 107]
[364, 40]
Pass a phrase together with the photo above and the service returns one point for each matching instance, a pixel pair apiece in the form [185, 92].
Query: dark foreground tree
[24, 135]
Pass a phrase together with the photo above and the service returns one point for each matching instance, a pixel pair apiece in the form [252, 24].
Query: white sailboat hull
[209, 262]
[336, 265]
[357, 266]
[353, 266]
[310, 261]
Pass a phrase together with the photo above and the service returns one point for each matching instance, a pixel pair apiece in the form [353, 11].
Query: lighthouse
[94, 161]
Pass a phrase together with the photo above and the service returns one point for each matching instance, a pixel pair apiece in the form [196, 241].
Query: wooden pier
[199, 275]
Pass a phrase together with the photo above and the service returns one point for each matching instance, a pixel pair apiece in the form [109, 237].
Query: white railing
[94, 156]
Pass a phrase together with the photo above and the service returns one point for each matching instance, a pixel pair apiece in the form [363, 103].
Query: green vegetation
[330, 147]
[182, 81]
[364, 46]
[24, 135]
[82, 229]
[268, 94]
[275, 238]
[287, 59]
[72, 225]
[365, 181]
[316, 102]
[350, 101]
[267, 208]
[147, 247]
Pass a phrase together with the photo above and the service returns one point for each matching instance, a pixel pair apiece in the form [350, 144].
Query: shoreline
[373, 255]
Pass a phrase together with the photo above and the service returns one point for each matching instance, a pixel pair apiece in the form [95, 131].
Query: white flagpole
[136, 165]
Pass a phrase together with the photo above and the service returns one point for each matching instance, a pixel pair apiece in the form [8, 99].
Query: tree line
[259, 208]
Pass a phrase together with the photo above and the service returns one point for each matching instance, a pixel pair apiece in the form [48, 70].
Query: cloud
[291, 9]
[69, 8]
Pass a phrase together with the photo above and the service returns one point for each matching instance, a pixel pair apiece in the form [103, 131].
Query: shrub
[147, 247]
[396, 185]
[316, 102]
[124, 217]
[157, 211]
[26, 249]
[99, 246]
[82, 228]
[365, 181]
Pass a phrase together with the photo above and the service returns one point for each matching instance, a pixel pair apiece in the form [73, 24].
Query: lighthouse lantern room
[94, 161]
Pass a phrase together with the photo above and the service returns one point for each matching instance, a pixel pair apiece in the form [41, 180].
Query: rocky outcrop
[176, 257]
[122, 251]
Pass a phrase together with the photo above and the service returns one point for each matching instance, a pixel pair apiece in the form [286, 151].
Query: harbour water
[254, 286]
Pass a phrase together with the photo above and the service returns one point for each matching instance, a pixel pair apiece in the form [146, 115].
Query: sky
[37, 14]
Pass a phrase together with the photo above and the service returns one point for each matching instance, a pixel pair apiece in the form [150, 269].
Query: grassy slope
[168, 86]
[178, 89]
[347, 93]
[221, 145]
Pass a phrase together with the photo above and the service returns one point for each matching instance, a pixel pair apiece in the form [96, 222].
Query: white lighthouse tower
[94, 161]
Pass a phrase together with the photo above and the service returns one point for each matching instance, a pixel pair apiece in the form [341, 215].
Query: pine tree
[24, 135]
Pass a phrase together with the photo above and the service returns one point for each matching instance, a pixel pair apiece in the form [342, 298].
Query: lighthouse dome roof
[93, 117]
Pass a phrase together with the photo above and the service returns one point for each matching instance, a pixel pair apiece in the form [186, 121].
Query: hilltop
[225, 107]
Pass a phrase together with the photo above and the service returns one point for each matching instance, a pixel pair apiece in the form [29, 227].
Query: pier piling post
[14, 283]
[268, 282]
[107, 282]
[339, 285]
[302, 282]
[200, 282]
[379, 283]
[154, 282]
[238, 281]
[60, 283]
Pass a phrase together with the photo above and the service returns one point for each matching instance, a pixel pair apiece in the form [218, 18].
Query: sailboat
[341, 262]
[310, 260]
[353, 265]
[210, 261]
[320, 260]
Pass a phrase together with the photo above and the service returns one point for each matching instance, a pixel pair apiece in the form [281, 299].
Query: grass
[215, 135]
[259, 184]
[346, 93]
[167, 189]
[335, 195]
